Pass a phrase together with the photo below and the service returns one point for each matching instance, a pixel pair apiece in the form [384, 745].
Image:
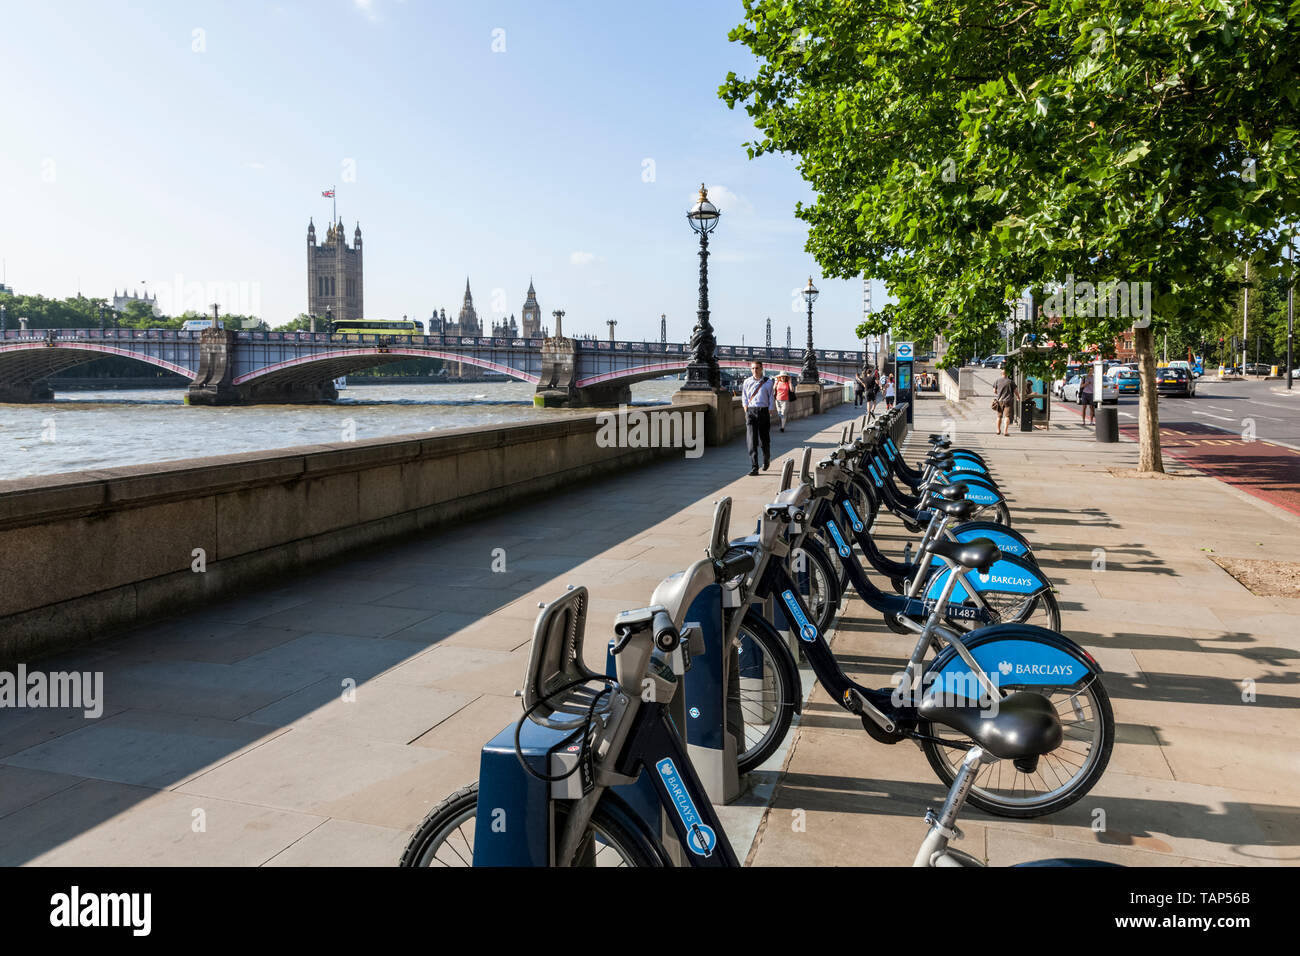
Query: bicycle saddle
[954, 492]
[1025, 725]
[960, 509]
[940, 441]
[979, 554]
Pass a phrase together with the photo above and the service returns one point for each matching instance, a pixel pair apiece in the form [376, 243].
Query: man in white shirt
[759, 400]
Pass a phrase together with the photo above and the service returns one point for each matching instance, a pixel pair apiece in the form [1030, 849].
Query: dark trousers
[758, 431]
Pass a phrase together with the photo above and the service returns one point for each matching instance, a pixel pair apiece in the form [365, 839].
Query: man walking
[759, 401]
[859, 387]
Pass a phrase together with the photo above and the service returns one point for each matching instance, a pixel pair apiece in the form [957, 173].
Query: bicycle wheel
[998, 513]
[819, 586]
[1023, 789]
[1041, 609]
[446, 837]
[764, 689]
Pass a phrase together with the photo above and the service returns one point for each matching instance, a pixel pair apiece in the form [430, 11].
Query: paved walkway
[226, 738]
[1198, 776]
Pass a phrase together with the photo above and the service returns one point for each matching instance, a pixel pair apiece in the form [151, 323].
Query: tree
[966, 152]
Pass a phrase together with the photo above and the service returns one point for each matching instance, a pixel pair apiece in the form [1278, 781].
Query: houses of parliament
[335, 289]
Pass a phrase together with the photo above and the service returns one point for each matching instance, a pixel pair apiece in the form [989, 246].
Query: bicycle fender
[1008, 575]
[1018, 654]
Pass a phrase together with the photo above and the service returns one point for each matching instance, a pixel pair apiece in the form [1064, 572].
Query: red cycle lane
[1260, 468]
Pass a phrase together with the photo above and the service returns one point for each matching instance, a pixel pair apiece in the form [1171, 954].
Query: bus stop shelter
[1034, 409]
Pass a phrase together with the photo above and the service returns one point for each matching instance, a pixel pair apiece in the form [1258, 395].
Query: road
[1246, 434]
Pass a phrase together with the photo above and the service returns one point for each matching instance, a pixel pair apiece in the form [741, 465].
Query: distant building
[505, 329]
[7, 289]
[334, 274]
[532, 314]
[120, 302]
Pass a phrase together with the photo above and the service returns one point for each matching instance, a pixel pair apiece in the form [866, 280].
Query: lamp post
[809, 374]
[703, 373]
[3, 320]
[1291, 323]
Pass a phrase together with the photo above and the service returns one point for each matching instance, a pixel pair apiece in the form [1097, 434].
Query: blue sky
[185, 145]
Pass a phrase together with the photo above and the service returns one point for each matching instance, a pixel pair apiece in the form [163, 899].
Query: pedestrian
[1088, 397]
[1004, 401]
[759, 400]
[891, 391]
[859, 388]
[873, 393]
[782, 391]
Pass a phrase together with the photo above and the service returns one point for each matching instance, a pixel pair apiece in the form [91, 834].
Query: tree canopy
[1130, 151]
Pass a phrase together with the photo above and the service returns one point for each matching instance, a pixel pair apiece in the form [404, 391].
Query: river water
[110, 429]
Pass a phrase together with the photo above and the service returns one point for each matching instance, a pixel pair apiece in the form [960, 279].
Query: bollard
[1107, 423]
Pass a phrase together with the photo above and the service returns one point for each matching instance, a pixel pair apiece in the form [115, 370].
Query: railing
[425, 341]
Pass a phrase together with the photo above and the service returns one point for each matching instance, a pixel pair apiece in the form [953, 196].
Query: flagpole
[334, 202]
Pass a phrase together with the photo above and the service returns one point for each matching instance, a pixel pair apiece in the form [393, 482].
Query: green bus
[378, 327]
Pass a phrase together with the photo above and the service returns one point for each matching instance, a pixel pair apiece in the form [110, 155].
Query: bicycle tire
[774, 649]
[980, 797]
[450, 816]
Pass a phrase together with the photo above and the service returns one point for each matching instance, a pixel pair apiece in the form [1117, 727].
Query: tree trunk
[1148, 403]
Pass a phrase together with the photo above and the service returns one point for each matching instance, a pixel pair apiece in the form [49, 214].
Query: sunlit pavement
[1200, 671]
[228, 736]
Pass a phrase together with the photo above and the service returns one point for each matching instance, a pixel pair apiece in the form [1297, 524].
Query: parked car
[1059, 384]
[1258, 368]
[995, 361]
[1109, 390]
[1127, 381]
[1175, 381]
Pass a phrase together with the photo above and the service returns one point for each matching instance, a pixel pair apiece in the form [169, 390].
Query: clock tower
[532, 315]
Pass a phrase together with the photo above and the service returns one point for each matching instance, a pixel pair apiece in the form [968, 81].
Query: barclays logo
[1007, 668]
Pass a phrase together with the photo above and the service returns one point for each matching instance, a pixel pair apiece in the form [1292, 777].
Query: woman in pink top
[782, 397]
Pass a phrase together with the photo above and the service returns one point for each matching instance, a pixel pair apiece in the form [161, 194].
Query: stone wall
[89, 553]
[86, 554]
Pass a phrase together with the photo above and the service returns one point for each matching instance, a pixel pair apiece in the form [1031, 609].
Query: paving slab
[1200, 774]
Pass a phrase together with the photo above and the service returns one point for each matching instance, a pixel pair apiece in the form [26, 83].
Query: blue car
[1127, 380]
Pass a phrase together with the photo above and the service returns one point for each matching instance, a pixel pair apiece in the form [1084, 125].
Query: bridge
[229, 367]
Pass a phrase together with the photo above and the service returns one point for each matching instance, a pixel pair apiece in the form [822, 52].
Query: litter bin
[1107, 423]
[1027, 414]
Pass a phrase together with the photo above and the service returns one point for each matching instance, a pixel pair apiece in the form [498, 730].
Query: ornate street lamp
[809, 374]
[703, 373]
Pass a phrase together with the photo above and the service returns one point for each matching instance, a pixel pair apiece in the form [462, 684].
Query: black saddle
[954, 492]
[1025, 725]
[961, 510]
[979, 554]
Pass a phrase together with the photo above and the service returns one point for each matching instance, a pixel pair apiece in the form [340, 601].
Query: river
[110, 429]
